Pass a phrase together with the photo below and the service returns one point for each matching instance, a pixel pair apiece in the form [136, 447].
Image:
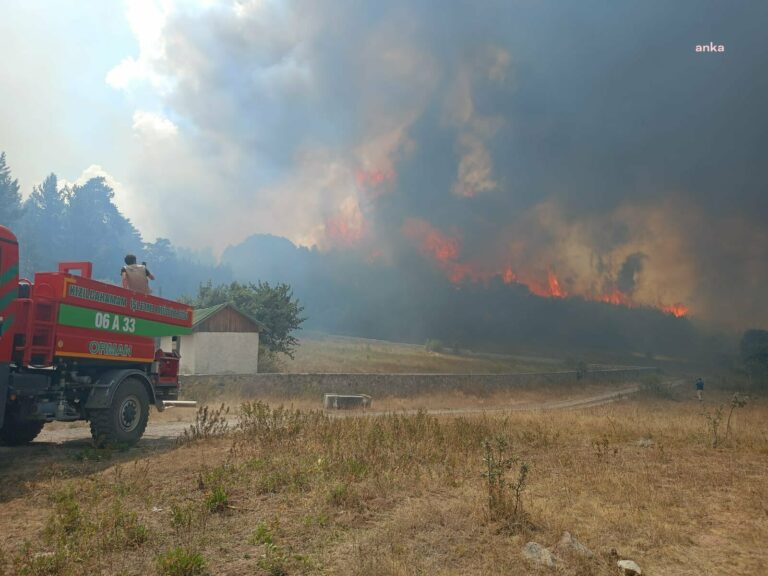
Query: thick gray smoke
[629, 272]
[584, 142]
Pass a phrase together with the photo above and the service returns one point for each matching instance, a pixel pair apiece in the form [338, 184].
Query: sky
[584, 147]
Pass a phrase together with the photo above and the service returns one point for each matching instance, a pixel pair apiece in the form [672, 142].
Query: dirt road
[159, 431]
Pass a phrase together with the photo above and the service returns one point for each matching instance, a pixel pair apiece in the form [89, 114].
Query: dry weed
[306, 493]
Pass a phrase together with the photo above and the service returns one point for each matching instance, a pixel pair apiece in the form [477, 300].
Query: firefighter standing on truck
[136, 277]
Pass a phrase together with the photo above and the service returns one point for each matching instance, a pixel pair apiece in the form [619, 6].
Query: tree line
[81, 222]
[58, 223]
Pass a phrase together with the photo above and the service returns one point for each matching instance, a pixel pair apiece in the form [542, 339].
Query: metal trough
[346, 401]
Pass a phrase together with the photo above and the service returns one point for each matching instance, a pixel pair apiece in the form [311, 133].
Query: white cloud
[147, 19]
[93, 171]
[96, 171]
[122, 75]
[151, 125]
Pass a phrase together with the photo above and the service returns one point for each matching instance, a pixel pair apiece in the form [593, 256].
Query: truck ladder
[38, 345]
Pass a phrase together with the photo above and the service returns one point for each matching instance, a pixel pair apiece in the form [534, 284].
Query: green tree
[273, 306]
[44, 227]
[10, 198]
[99, 231]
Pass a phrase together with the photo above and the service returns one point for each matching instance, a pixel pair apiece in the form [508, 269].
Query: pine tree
[10, 198]
[98, 230]
[44, 227]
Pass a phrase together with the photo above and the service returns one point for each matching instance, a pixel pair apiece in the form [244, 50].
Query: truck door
[3, 365]
[9, 286]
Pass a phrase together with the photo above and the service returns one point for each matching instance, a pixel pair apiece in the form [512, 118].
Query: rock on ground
[540, 555]
[630, 568]
[570, 544]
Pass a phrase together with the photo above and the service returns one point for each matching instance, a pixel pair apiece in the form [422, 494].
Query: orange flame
[536, 287]
[554, 286]
[615, 297]
[459, 271]
[431, 241]
[677, 310]
[445, 250]
[547, 289]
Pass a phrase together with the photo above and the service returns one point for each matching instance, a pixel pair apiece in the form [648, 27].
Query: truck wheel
[16, 431]
[124, 422]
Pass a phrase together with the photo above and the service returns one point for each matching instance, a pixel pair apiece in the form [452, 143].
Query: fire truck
[73, 348]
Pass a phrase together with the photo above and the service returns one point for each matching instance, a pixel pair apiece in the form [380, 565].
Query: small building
[224, 340]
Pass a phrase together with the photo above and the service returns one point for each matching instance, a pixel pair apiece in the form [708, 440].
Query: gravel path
[158, 431]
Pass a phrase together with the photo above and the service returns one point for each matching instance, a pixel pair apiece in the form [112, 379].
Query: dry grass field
[327, 353]
[520, 396]
[302, 492]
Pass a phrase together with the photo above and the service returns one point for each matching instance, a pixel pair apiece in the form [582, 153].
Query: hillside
[320, 352]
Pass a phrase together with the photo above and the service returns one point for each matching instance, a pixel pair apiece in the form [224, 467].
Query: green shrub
[218, 500]
[182, 517]
[66, 520]
[262, 535]
[273, 561]
[28, 563]
[320, 519]
[118, 529]
[181, 562]
[505, 497]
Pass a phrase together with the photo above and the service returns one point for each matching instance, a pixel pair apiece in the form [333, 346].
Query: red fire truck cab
[73, 348]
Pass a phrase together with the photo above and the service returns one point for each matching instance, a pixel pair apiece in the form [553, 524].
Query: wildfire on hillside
[617, 298]
[445, 252]
[677, 310]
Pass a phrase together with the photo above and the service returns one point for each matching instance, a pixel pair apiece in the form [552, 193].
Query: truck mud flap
[104, 389]
[5, 374]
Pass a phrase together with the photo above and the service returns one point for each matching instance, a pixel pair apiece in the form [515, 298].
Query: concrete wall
[400, 385]
[218, 353]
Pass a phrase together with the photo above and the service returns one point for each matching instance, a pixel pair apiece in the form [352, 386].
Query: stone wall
[384, 385]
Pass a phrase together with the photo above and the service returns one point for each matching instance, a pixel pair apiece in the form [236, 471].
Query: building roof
[200, 315]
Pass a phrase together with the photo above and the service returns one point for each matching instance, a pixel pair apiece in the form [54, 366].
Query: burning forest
[532, 150]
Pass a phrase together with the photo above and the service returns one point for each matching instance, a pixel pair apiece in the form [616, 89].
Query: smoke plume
[579, 149]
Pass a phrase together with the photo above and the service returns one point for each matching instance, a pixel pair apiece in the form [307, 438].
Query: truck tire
[124, 421]
[17, 431]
